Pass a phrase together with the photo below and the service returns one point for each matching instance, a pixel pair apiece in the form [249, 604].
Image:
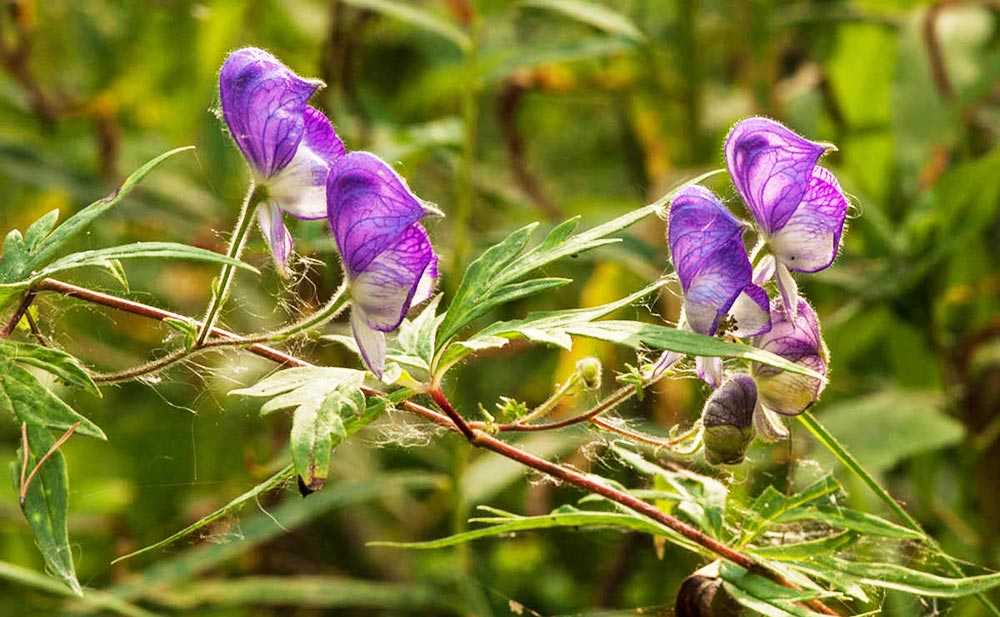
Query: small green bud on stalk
[728, 420]
[589, 369]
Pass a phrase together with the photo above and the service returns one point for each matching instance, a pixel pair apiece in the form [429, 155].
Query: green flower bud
[728, 420]
[589, 369]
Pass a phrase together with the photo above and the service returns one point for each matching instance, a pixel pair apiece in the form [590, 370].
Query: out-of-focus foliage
[502, 113]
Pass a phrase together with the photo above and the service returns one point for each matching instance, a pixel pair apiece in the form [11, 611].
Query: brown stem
[939, 72]
[613, 400]
[509, 102]
[454, 421]
[18, 313]
[26, 482]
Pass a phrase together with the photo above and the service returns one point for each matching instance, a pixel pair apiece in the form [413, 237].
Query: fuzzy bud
[728, 420]
[798, 339]
[702, 595]
[589, 369]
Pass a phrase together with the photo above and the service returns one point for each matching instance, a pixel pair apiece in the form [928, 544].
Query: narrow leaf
[593, 14]
[29, 401]
[417, 17]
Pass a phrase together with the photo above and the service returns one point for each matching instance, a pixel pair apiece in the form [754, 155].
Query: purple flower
[706, 246]
[288, 145]
[387, 256]
[798, 205]
[728, 420]
[797, 339]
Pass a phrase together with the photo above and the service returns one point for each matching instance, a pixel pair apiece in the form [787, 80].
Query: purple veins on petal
[771, 167]
[263, 104]
[706, 247]
[799, 340]
[368, 206]
[809, 240]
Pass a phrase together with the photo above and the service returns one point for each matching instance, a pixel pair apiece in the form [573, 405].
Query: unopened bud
[728, 420]
[800, 341]
[702, 595]
[589, 370]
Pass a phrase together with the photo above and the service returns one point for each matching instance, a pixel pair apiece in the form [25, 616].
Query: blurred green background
[502, 113]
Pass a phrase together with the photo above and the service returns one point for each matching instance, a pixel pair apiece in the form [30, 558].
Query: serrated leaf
[545, 326]
[154, 250]
[40, 229]
[418, 17]
[290, 379]
[22, 395]
[50, 245]
[46, 505]
[507, 262]
[639, 335]
[416, 338]
[796, 551]
[563, 517]
[771, 504]
[318, 428]
[900, 578]
[592, 14]
[59, 363]
[845, 518]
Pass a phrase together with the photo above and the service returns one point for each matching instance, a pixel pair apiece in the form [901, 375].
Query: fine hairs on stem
[453, 421]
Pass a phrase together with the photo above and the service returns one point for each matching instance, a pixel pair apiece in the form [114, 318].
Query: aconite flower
[799, 340]
[288, 144]
[798, 205]
[388, 259]
[706, 247]
[728, 420]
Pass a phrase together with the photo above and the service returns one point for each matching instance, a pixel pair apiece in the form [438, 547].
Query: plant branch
[18, 313]
[454, 421]
[220, 292]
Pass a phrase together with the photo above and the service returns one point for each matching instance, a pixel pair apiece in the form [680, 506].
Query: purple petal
[771, 167]
[276, 235]
[320, 136]
[751, 312]
[808, 242]
[384, 292]
[369, 206]
[263, 103]
[706, 247]
[797, 339]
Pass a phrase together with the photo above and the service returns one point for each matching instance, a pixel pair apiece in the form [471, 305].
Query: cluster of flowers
[302, 168]
[799, 210]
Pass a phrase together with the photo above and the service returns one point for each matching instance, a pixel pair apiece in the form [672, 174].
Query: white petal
[300, 188]
[789, 290]
[764, 270]
[371, 342]
[768, 424]
[710, 370]
[276, 235]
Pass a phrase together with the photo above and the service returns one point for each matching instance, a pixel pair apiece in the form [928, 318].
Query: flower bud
[728, 420]
[589, 369]
[702, 595]
[797, 339]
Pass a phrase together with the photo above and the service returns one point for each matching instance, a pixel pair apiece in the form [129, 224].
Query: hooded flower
[288, 145]
[798, 205]
[388, 259]
[797, 339]
[728, 420]
[706, 246]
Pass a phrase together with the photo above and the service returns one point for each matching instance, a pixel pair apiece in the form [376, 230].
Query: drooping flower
[798, 205]
[288, 144]
[706, 247]
[728, 420]
[799, 340]
[388, 259]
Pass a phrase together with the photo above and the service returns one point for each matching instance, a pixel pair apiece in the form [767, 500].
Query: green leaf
[290, 379]
[40, 229]
[854, 520]
[900, 578]
[276, 480]
[771, 504]
[59, 363]
[800, 551]
[545, 327]
[507, 262]
[417, 17]
[317, 429]
[638, 335]
[563, 517]
[156, 250]
[46, 504]
[22, 395]
[14, 259]
[259, 528]
[593, 14]
[416, 338]
[92, 599]
[46, 249]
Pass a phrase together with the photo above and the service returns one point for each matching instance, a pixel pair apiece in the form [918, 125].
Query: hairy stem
[454, 421]
[19, 312]
[220, 291]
